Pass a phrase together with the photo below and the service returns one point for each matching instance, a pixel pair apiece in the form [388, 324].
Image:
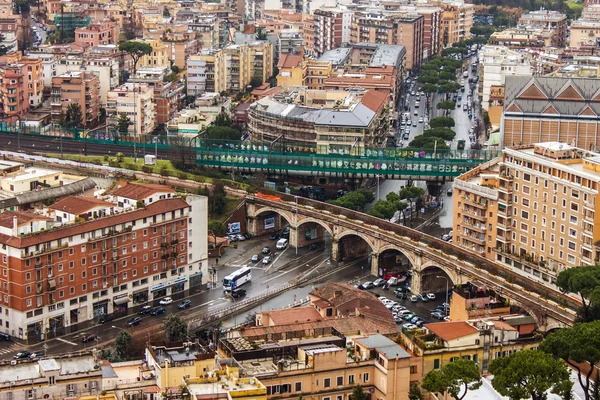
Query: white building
[498, 62]
[136, 100]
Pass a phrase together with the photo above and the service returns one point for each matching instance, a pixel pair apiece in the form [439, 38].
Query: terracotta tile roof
[158, 207]
[78, 205]
[384, 80]
[375, 100]
[451, 330]
[139, 191]
[23, 217]
[289, 61]
[349, 300]
[503, 326]
[294, 315]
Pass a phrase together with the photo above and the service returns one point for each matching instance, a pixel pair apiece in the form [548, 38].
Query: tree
[123, 123]
[579, 344]
[3, 49]
[446, 105]
[458, 376]
[428, 142]
[415, 392]
[444, 133]
[429, 88]
[530, 374]
[449, 87]
[354, 200]
[136, 50]
[123, 342]
[441, 122]
[585, 281]
[166, 13]
[223, 133]
[261, 34]
[256, 81]
[358, 393]
[382, 209]
[176, 328]
[223, 119]
[73, 116]
[411, 192]
[216, 228]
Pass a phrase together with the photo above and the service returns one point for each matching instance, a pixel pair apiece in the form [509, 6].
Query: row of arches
[346, 246]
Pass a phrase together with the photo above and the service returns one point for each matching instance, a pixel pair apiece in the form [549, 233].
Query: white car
[165, 301]
[241, 238]
[421, 120]
[378, 282]
[266, 260]
[409, 326]
[431, 296]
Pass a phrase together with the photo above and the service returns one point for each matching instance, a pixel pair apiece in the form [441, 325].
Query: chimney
[15, 225]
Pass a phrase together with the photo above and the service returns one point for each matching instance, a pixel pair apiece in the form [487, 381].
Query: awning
[52, 283]
[121, 300]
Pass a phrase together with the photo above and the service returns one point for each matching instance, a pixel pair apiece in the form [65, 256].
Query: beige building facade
[136, 101]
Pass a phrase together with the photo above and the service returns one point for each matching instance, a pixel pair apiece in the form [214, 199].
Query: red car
[388, 276]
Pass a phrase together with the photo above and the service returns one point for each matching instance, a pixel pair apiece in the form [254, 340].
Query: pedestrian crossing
[8, 348]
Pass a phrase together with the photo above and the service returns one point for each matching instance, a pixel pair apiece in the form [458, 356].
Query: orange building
[14, 93]
[79, 87]
[97, 33]
[104, 258]
[32, 70]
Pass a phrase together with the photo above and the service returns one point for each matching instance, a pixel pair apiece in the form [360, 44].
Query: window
[51, 380]
[340, 381]
[436, 363]
[366, 377]
[70, 387]
[327, 382]
[351, 379]
[298, 386]
[29, 393]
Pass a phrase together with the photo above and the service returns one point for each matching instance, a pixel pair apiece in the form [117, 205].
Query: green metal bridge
[282, 158]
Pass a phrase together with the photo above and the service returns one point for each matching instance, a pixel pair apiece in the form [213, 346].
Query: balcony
[474, 214]
[480, 204]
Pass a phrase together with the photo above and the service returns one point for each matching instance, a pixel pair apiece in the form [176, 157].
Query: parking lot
[419, 308]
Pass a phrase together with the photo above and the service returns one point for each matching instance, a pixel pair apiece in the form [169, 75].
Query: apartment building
[86, 257]
[229, 69]
[68, 375]
[331, 28]
[406, 29]
[583, 33]
[541, 220]
[168, 96]
[548, 20]
[33, 72]
[498, 62]
[158, 57]
[179, 40]
[96, 33]
[136, 101]
[340, 122]
[479, 340]
[290, 41]
[524, 37]
[190, 122]
[457, 21]
[79, 87]
[551, 109]
[14, 95]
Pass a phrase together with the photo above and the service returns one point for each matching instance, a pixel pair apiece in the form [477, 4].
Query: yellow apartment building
[538, 209]
[225, 384]
[171, 365]
[158, 57]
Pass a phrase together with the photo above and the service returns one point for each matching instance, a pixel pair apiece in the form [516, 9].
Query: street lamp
[443, 277]
[378, 187]
[121, 329]
[296, 198]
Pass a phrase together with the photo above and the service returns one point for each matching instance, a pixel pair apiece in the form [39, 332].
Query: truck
[460, 145]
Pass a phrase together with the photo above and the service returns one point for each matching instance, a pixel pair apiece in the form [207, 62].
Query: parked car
[266, 250]
[437, 315]
[423, 298]
[22, 354]
[105, 318]
[145, 309]
[414, 299]
[409, 327]
[184, 304]
[134, 321]
[90, 337]
[447, 236]
[313, 246]
[266, 260]
[165, 301]
[367, 285]
[237, 293]
[431, 296]
[232, 238]
[255, 258]
[241, 237]
[378, 282]
[4, 337]
[36, 354]
[274, 236]
[410, 316]
[400, 295]
[157, 310]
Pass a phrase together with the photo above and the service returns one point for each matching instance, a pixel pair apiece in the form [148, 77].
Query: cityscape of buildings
[317, 77]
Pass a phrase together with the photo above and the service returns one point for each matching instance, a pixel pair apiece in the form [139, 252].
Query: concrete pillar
[251, 226]
[375, 264]
[415, 284]
[293, 237]
[335, 250]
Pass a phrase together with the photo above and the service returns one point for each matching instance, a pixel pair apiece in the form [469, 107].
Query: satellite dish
[560, 147]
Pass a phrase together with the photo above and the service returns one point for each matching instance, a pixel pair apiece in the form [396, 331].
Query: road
[208, 301]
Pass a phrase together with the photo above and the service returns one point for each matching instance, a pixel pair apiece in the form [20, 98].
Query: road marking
[283, 273]
[66, 341]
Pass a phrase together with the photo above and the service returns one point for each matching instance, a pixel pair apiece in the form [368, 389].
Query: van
[282, 244]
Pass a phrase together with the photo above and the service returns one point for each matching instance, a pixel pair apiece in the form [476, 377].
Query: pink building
[97, 33]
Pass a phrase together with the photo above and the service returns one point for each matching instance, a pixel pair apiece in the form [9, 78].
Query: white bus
[237, 278]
